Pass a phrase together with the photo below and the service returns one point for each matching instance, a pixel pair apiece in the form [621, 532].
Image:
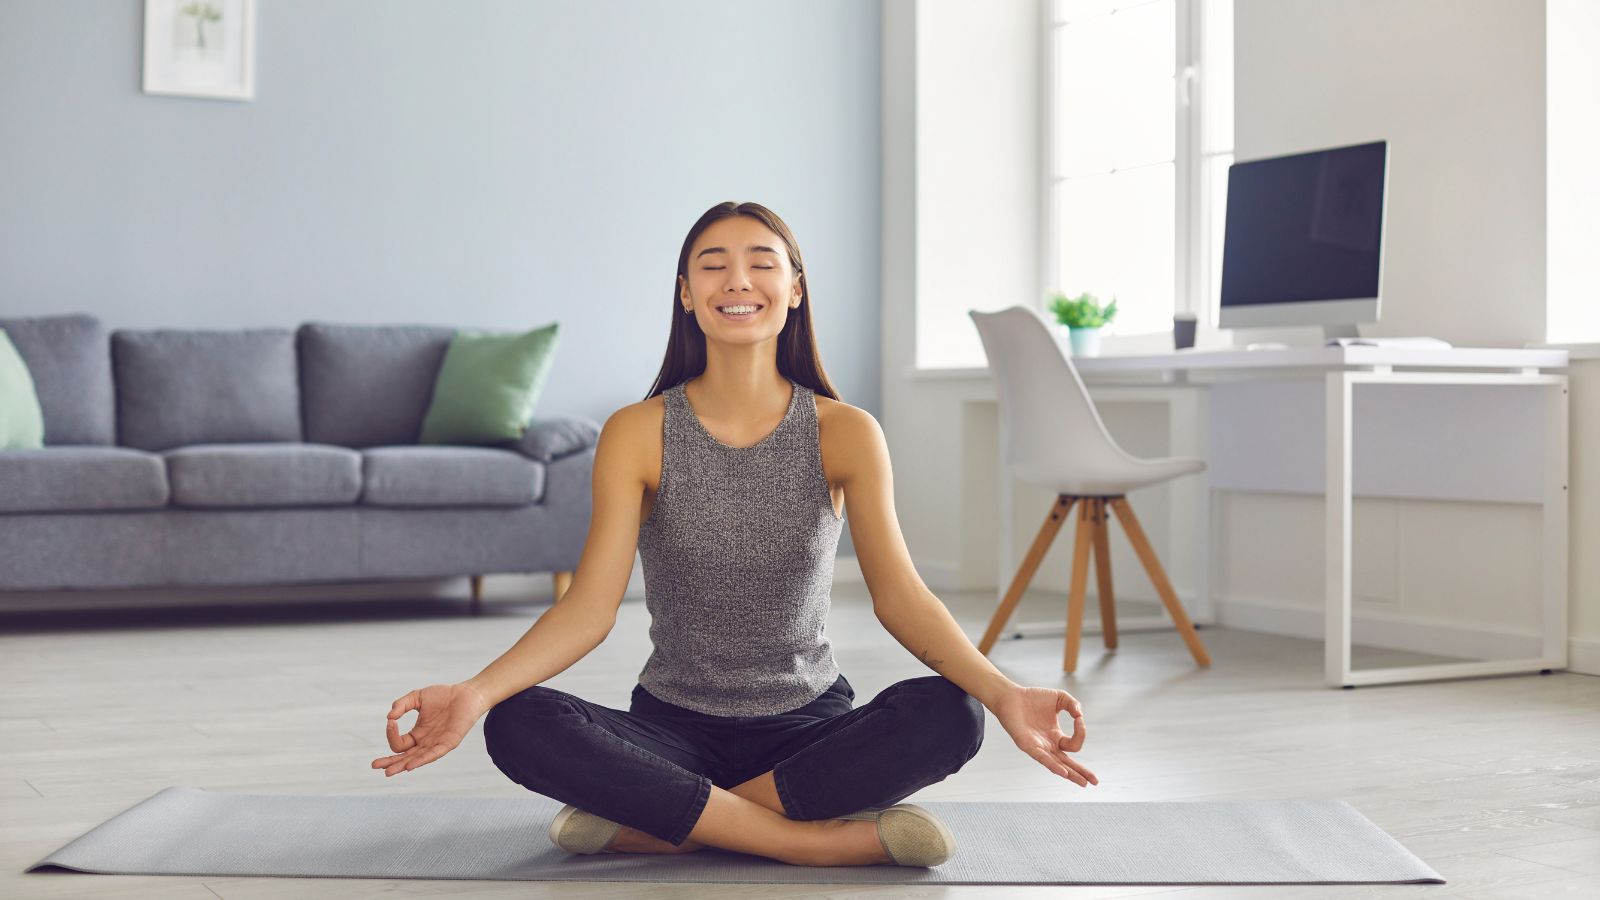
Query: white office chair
[1058, 441]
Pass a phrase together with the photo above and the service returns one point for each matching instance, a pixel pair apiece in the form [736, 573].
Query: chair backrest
[1048, 418]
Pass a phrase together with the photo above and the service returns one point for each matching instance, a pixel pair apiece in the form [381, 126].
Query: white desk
[1341, 368]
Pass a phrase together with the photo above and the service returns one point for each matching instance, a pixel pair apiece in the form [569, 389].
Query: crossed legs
[761, 790]
[912, 734]
[750, 818]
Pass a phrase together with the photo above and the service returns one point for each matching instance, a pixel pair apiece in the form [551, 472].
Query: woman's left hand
[1030, 716]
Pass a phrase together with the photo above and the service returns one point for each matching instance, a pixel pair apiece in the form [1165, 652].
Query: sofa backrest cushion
[69, 359]
[368, 385]
[176, 388]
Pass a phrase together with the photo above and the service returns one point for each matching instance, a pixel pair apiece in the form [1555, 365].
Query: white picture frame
[200, 48]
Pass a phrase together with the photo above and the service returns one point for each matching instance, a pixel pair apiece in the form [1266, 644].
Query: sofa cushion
[69, 359]
[488, 386]
[255, 475]
[368, 385]
[66, 479]
[205, 387]
[449, 476]
[553, 437]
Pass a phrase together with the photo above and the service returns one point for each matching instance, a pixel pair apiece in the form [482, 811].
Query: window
[1139, 142]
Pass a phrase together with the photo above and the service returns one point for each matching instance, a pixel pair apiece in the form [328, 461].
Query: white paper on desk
[1386, 342]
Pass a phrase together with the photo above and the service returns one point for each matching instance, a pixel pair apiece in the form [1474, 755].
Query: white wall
[1458, 88]
[494, 164]
[1572, 29]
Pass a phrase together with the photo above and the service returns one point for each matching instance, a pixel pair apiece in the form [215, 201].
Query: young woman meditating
[730, 479]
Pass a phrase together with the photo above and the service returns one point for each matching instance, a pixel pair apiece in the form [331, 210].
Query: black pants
[651, 768]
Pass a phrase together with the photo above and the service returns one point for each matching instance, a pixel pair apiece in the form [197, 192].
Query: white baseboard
[1583, 656]
[1373, 628]
[1377, 628]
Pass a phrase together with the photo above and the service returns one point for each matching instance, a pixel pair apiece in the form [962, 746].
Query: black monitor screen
[1304, 227]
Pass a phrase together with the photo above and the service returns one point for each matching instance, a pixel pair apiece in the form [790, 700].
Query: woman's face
[737, 262]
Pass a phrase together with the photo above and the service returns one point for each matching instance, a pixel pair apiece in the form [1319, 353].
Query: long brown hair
[797, 347]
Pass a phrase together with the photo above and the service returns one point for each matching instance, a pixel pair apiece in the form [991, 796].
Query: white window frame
[1191, 187]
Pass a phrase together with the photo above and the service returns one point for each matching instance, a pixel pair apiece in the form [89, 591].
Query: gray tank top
[738, 558]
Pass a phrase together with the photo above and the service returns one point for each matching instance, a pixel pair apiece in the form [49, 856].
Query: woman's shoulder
[639, 420]
[844, 431]
[841, 414]
[635, 436]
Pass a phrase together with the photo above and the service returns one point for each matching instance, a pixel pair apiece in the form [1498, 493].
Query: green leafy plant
[1082, 311]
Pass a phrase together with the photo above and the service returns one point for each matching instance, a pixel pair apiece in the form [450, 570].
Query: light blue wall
[477, 163]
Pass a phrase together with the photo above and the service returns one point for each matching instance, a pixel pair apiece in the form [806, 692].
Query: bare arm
[565, 634]
[570, 629]
[902, 603]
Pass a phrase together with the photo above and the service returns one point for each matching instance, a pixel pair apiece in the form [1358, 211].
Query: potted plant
[1083, 316]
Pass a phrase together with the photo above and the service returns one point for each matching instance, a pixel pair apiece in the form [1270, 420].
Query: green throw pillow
[487, 386]
[21, 419]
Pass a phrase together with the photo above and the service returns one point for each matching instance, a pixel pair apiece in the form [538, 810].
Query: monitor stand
[1342, 330]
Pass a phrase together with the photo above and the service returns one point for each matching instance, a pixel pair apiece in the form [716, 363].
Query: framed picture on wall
[200, 48]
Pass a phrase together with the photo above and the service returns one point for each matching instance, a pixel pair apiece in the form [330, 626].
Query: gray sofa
[271, 456]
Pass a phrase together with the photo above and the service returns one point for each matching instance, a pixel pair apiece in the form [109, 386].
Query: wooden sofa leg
[560, 581]
[477, 595]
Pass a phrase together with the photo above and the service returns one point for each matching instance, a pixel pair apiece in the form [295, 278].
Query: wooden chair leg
[1030, 563]
[560, 581]
[1102, 571]
[1080, 582]
[1141, 545]
[477, 595]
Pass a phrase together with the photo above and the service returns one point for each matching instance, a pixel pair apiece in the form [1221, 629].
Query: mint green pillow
[21, 419]
[487, 386]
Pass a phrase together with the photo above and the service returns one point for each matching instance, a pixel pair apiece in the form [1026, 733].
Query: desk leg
[1556, 499]
[1336, 635]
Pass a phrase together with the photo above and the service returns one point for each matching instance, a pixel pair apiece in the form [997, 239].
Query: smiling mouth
[722, 310]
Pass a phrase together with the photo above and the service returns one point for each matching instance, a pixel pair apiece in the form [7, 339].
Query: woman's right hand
[445, 713]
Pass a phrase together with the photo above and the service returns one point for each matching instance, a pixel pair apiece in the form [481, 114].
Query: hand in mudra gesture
[445, 713]
[1031, 716]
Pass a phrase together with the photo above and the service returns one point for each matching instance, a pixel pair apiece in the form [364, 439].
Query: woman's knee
[966, 720]
[520, 726]
[955, 718]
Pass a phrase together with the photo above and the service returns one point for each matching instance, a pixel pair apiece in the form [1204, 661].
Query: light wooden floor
[1495, 782]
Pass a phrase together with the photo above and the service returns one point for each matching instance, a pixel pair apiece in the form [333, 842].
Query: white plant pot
[1085, 341]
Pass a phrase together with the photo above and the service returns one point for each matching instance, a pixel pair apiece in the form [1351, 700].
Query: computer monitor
[1303, 241]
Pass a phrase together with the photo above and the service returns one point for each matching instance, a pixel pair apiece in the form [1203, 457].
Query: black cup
[1183, 331]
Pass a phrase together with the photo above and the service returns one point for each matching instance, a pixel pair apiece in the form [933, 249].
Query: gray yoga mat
[190, 831]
